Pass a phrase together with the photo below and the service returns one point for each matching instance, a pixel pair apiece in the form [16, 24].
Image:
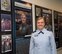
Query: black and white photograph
[6, 5]
[5, 22]
[6, 43]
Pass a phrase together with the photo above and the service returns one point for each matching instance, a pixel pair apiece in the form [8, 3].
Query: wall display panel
[58, 28]
[6, 5]
[23, 19]
[6, 41]
[23, 26]
[5, 22]
[47, 14]
[6, 27]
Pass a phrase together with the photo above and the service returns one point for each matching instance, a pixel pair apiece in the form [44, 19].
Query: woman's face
[40, 24]
[23, 19]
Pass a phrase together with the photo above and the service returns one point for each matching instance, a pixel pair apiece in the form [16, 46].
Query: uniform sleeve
[31, 46]
[53, 45]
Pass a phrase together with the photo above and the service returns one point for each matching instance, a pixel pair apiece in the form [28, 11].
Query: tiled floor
[60, 51]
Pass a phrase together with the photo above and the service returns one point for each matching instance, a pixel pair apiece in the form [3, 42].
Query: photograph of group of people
[5, 22]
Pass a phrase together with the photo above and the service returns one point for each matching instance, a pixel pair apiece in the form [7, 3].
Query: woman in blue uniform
[42, 41]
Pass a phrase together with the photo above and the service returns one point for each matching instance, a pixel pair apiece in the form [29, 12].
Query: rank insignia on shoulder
[34, 31]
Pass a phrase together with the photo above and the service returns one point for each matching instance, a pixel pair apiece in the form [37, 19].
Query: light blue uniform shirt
[42, 43]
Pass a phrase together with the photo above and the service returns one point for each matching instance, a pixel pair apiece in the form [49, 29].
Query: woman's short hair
[38, 18]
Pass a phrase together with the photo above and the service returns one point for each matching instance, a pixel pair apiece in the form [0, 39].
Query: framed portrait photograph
[37, 10]
[6, 43]
[5, 22]
[6, 5]
[23, 23]
[48, 20]
[23, 19]
[47, 14]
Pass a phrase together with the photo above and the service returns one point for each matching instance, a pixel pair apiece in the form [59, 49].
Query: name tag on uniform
[36, 35]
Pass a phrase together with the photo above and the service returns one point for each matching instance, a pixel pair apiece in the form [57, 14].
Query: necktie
[39, 33]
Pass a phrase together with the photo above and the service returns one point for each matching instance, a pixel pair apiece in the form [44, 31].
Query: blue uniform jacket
[42, 43]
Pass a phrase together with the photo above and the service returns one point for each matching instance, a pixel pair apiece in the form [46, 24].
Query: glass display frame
[26, 10]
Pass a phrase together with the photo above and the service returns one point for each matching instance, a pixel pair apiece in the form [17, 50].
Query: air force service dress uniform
[42, 42]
